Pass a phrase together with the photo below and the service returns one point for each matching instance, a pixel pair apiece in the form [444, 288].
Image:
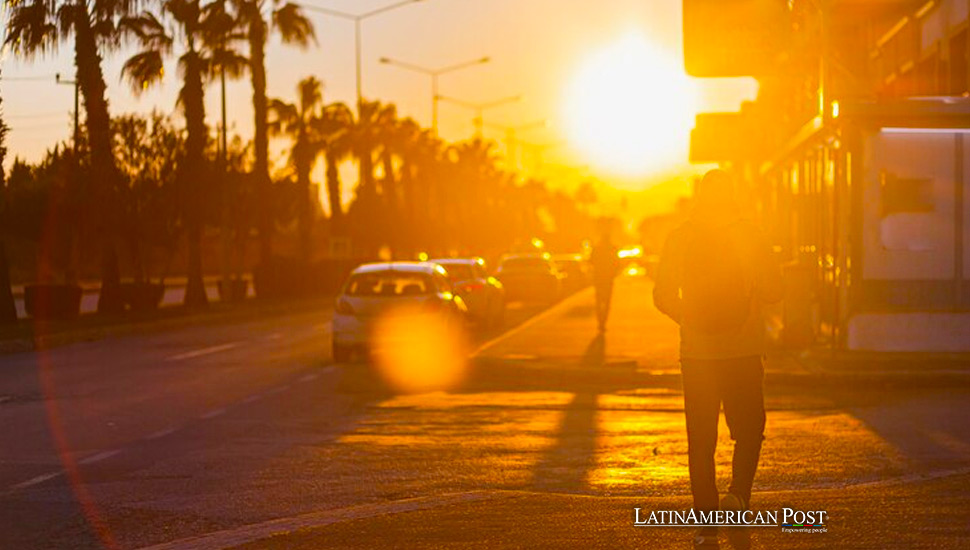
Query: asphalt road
[218, 429]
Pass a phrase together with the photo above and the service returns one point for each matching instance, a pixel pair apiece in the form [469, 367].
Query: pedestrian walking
[605, 264]
[716, 273]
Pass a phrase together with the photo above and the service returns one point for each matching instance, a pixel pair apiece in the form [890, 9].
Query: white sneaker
[706, 539]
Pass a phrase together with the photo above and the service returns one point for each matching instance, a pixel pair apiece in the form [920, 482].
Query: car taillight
[344, 307]
[471, 287]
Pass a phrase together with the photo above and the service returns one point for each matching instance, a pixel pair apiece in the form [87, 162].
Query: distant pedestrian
[605, 264]
[715, 274]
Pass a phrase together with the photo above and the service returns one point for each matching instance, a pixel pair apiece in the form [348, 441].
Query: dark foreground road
[228, 434]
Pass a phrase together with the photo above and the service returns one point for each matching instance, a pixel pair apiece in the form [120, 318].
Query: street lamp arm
[406, 65]
[328, 11]
[459, 102]
[503, 101]
[387, 8]
[450, 68]
[520, 128]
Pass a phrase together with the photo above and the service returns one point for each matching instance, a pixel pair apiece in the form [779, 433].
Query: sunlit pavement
[551, 441]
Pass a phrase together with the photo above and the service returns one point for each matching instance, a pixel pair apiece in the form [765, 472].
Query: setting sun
[630, 108]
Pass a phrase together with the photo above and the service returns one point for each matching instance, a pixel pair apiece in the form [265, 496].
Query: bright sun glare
[630, 108]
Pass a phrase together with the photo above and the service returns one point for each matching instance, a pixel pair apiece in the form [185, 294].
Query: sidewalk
[921, 369]
[641, 339]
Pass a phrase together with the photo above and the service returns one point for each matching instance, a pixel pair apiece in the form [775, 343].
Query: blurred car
[575, 270]
[484, 295]
[372, 289]
[530, 277]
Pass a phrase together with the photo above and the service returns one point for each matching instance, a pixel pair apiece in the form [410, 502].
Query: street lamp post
[358, 19]
[73, 259]
[480, 108]
[59, 80]
[434, 74]
[511, 140]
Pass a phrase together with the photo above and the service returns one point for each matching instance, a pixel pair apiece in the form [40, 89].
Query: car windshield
[459, 272]
[389, 283]
[526, 263]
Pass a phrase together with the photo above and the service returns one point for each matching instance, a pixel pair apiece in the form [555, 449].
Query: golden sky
[539, 49]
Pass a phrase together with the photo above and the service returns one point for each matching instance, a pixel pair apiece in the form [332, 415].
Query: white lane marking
[308, 377]
[213, 413]
[252, 398]
[275, 336]
[278, 389]
[99, 457]
[160, 433]
[34, 481]
[554, 310]
[200, 352]
[239, 536]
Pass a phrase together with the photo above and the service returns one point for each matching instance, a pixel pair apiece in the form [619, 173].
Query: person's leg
[702, 406]
[744, 409]
[598, 293]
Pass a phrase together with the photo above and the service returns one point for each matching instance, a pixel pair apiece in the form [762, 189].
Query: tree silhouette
[8, 310]
[336, 128]
[37, 27]
[300, 121]
[260, 18]
[193, 34]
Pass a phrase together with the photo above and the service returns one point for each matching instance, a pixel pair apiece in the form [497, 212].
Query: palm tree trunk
[194, 104]
[8, 308]
[104, 172]
[305, 216]
[257, 45]
[333, 194]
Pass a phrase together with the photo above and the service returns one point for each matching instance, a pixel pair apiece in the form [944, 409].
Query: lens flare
[417, 350]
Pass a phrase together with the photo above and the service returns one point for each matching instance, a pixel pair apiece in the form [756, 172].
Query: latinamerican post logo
[788, 519]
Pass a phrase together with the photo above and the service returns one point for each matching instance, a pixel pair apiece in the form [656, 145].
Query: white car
[483, 294]
[372, 289]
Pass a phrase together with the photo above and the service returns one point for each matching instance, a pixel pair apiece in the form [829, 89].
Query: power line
[35, 115]
[34, 78]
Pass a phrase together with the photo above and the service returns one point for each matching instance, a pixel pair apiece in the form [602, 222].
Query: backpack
[714, 291]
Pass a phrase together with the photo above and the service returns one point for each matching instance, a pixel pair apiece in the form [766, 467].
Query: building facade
[860, 163]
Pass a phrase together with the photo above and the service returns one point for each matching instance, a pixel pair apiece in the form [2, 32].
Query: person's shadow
[595, 354]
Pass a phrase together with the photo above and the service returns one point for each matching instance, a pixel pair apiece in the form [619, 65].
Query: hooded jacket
[762, 279]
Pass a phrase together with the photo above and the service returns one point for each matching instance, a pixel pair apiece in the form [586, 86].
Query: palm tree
[300, 121]
[193, 33]
[336, 127]
[259, 18]
[8, 310]
[37, 27]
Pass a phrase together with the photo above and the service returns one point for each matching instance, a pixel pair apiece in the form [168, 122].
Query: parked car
[484, 295]
[575, 270]
[530, 277]
[372, 289]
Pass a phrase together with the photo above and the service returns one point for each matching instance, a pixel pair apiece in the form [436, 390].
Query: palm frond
[31, 30]
[294, 27]
[284, 116]
[143, 70]
[310, 93]
[148, 30]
